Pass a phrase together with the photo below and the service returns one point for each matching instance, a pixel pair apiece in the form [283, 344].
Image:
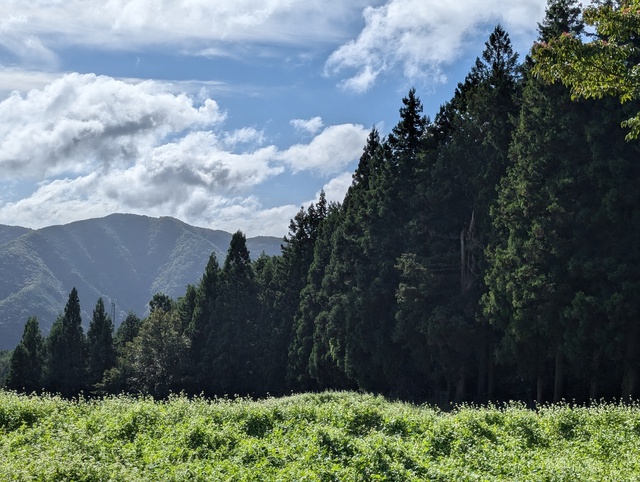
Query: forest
[487, 253]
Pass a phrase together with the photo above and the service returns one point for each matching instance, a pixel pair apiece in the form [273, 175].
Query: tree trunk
[460, 389]
[491, 368]
[540, 388]
[559, 375]
[595, 374]
[540, 379]
[593, 389]
[630, 366]
[463, 263]
[481, 392]
[630, 381]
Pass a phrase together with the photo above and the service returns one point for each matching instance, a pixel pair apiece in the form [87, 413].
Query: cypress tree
[126, 332]
[232, 343]
[66, 351]
[27, 361]
[202, 326]
[310, 364]
[101, 354]
[560, 285]
[186, 306]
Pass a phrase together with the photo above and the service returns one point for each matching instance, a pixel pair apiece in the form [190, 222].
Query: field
[322, 437]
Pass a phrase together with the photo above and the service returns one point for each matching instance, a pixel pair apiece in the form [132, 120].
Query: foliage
[66, 351]
[154, 362]
[162, 302]
[607, 65]
[126, 332]
[101, 355]
[329, 436]
[26, 367]
[5, 358]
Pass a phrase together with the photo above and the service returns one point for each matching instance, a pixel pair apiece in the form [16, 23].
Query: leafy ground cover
[311, 437]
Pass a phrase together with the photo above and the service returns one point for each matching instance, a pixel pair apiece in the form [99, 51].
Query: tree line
[490, 253]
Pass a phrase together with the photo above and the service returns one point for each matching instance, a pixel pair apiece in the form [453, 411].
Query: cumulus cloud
[12, 78]
[68, 200]
[421, 36]
[86, 122]
[310, 126]
[336, 189]
[98, 145]
[329, 152]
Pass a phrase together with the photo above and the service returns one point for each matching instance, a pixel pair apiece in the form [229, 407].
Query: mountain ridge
[124, 258]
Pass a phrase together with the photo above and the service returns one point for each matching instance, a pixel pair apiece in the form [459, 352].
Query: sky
[225, 114]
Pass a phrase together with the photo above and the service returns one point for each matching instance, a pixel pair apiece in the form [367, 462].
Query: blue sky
[224, 114]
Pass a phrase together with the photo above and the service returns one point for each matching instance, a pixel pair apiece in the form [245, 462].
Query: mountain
[123, 258]
[7, 233]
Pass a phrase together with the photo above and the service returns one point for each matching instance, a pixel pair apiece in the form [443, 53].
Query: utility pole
[113, 311]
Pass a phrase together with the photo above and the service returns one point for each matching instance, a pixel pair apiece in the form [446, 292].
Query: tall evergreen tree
[232, 342]
[462, 156]
[202, 326]
[310, 363]
[273, 349]
[27, 360]
[101, 354]
[291, 275]
[299, 376]
[559, 275]
[186, 306]
[126, 332]
[528, 276]
[66, 351]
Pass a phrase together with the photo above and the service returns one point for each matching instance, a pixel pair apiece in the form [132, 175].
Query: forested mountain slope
[7, 233]
[121, 257]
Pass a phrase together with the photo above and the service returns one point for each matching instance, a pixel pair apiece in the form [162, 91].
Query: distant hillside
[8, 233]
[122, 257]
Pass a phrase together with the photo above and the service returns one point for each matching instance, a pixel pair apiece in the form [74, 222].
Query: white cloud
[24, 80]
[310, 126]
[98, 145]
[80, 123]
[336, 189]
[421, 36]
[67, 200]
[203, 25]
[329, 152]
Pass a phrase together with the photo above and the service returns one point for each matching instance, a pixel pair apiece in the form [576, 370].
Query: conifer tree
[126, 332]
[101, 354]
[315, 355]
[463, 156]
[27, 361]
[66, 351]
[275, 338]
[187, 305]
[310, 364]
[558, 264]
[202, 326]
[232, 342]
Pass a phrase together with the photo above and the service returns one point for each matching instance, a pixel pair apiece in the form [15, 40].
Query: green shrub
[337, 436]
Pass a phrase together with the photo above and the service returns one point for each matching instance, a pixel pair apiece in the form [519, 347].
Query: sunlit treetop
[607, 65]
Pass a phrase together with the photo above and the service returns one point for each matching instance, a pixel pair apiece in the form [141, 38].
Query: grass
[311, 437]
